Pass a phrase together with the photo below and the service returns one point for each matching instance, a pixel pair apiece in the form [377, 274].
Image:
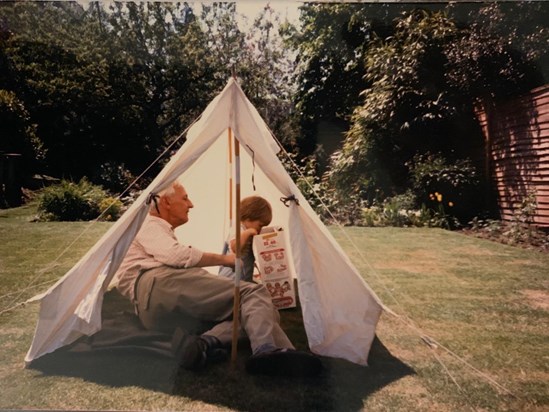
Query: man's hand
[230, 260]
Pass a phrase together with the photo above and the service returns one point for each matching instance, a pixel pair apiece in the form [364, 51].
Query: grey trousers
[168, 297]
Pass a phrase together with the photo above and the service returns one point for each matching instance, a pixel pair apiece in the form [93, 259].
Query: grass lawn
[485, 305]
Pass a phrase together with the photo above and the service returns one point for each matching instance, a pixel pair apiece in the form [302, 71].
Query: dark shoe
[189, 350]
[216, 355]
[215, 351]
[284, 362]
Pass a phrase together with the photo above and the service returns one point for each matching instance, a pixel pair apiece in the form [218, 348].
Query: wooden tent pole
[230, 138]
[238, 264]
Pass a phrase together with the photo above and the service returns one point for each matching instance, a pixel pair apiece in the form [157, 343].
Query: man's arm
[213, 259]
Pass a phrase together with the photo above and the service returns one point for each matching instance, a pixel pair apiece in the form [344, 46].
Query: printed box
[272, 262]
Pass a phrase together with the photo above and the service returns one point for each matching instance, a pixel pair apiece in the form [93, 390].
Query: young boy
[255, 213]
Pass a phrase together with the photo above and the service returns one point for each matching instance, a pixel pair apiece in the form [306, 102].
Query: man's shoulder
[155, 220]
[154, 224]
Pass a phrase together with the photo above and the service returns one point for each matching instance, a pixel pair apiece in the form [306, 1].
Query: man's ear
[165, 201]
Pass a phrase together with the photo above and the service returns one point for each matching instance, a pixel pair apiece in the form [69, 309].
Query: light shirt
[247, 257]
[155, 245]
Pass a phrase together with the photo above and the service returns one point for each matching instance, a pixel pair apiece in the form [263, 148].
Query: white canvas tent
[340, 311]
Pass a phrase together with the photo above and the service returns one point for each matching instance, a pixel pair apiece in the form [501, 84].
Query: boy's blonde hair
[256, 208]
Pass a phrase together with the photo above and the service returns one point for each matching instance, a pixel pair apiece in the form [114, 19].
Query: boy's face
[254, 224]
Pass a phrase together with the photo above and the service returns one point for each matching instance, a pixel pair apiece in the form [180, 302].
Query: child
[255, 213]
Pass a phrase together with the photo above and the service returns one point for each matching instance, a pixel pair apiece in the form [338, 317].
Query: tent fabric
[340, 311]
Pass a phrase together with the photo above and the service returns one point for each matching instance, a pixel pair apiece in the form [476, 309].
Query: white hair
[168, 192]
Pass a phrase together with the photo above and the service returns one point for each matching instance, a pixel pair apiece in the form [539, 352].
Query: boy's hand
[252, 231]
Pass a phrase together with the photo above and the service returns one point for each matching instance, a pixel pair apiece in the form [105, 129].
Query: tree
[267, 76]
[423, 83]
[109, 86]
[105, 85]
[159, 72]
[329, 65]
[501, 52]
[330, 50]
[18, 133]
[55, 70]
[407, 95]
[257, 59]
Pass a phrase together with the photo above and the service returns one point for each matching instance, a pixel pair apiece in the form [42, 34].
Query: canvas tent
[340, 311]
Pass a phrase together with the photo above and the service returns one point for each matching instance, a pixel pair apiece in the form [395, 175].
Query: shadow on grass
[342, 386]
[143, 359]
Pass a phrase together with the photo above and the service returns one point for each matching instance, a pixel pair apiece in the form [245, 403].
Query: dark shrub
[446, 186]
[114, 177]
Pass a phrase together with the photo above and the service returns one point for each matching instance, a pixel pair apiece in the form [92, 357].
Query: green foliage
[358, 169]
[318, 192]
[445, 187]
[402, 211]
[397, 107]
[421, 93]
[329, 69]
[502, 51]
[406, 73]
[304, 173]
[112, 83]
[306, 178]
[68, 201]
[519, 230]
[114, 177]
[18, 133]
[110, 208]
[262, 66]
[429, 170]
[394, 211]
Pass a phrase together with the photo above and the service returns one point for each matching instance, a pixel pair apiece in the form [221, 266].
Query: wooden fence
[517, 152]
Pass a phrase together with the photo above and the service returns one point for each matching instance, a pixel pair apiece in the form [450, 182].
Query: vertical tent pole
[230, 139]
[238, 265]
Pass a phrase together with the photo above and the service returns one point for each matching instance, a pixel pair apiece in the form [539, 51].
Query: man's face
[179, 205]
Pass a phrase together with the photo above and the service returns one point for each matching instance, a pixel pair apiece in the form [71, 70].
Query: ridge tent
[340, 311]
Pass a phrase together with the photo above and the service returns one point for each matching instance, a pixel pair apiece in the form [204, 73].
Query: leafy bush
[114, 176]
[111, 208]
[68, 201]
[317, 191]
[520, 230]
[444, 187]
[393, 211]
[399, 211]
[349, 207]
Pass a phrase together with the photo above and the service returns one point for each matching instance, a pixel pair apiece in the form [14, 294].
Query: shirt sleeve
[159, 241]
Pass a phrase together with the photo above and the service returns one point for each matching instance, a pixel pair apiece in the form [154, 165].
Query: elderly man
[165, 281]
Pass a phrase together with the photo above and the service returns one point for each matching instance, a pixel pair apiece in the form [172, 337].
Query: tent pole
[238, 268]
[230, 138]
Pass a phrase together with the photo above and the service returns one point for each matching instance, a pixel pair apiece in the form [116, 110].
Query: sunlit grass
[470, 295]
[35, 254]
[483, 301]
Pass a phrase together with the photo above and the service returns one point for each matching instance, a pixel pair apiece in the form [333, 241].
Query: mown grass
[485, 302]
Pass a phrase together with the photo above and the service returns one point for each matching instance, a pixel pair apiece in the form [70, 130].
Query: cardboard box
[272, 261]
